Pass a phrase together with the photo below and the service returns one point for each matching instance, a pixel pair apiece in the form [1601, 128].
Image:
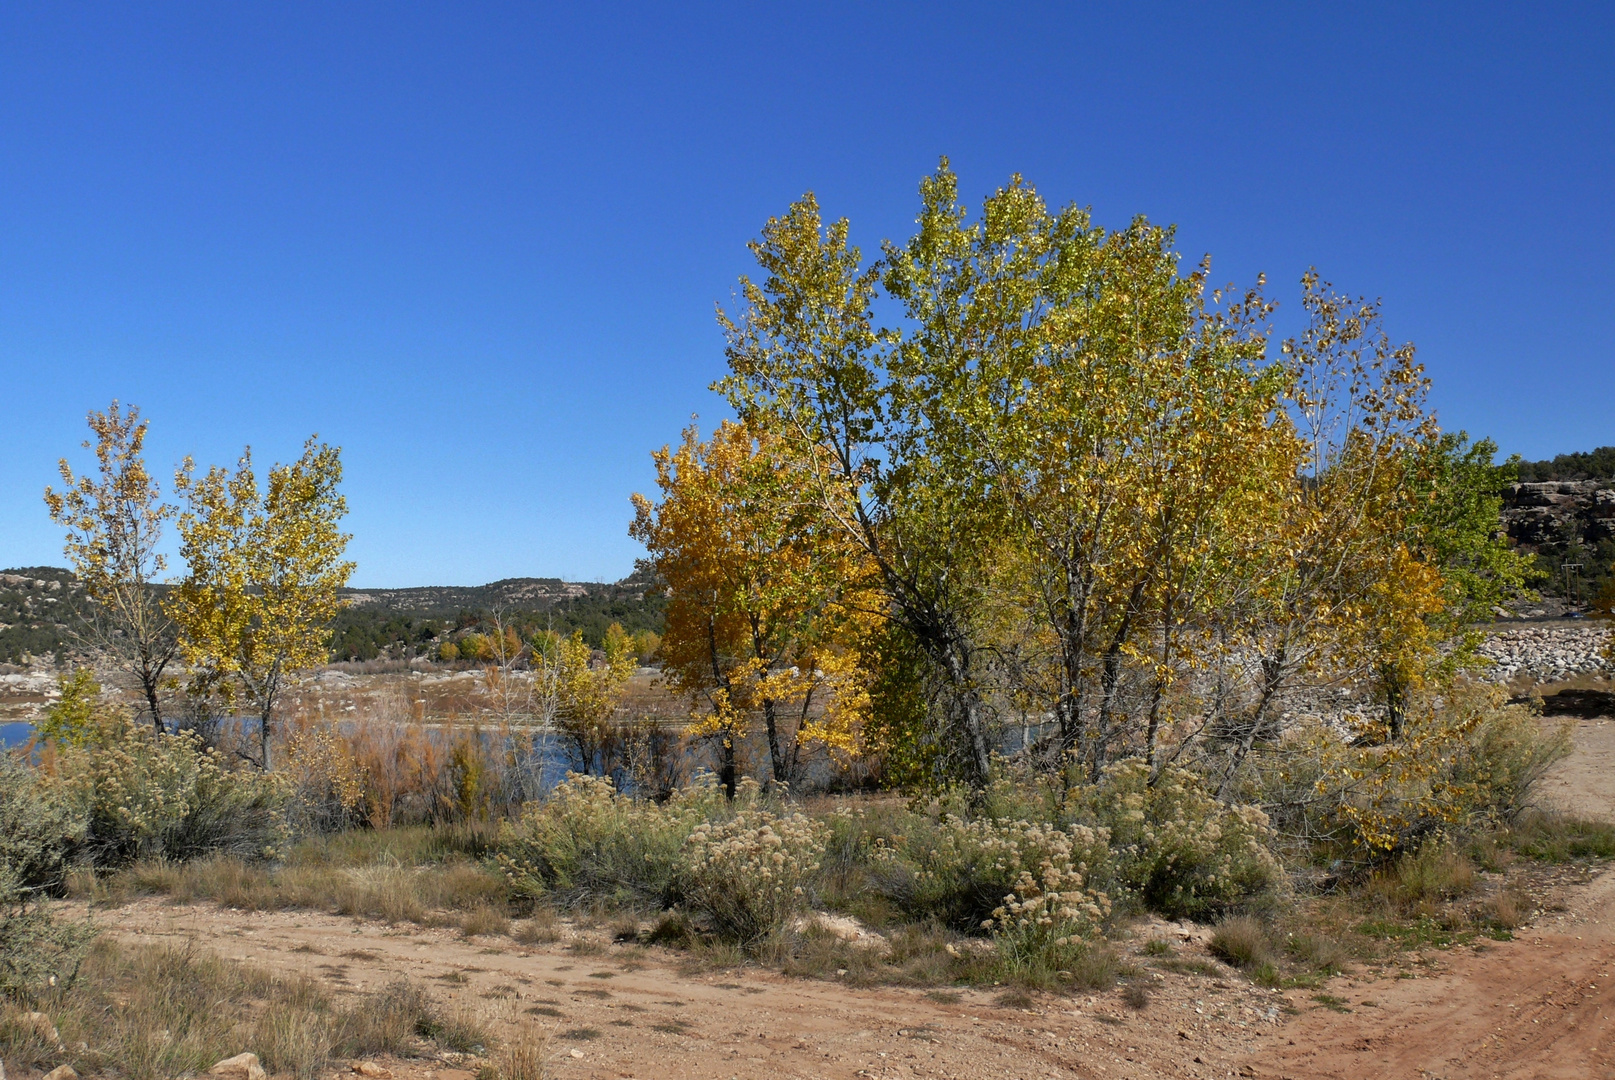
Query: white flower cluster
[749, 874]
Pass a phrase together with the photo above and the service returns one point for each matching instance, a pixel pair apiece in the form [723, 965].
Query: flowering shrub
[996, 874]
[141, 794]
[749, 874]
[1179, 849]
[587, 840]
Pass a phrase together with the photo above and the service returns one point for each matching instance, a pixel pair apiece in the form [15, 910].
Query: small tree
[583, 694]
[264, 571]
[114, 522]
[765, 601]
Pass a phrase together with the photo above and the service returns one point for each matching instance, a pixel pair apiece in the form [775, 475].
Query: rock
[62, 1072]
[371, 1069]
[240, 1067]
[577, 1053]
[40, 1025]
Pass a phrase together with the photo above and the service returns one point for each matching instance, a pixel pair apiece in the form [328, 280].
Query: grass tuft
[1242, 942]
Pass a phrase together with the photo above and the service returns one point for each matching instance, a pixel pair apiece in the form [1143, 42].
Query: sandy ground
[1542, 1005]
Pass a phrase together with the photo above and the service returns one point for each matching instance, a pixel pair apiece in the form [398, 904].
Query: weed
[1242, 942]
[541, 928]
[1136, 995]
[580, 1034]
[1157, 947]
[484, 919]
[1016, 997]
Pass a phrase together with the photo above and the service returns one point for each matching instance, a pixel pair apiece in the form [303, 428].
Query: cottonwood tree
[1124, 429]
[765, 602]
[114, 522]
[809, 368]
[264, 570]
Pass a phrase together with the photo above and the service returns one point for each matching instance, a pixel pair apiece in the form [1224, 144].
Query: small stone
[240, 1067]
[62, 1072]
[577, 1053]
[40, 1025]
[371, 1069]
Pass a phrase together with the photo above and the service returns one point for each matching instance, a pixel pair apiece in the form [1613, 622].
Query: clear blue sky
[479, 245]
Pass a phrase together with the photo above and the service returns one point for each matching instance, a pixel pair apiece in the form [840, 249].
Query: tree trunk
[149, 686]
[726, 765]
[263, 740]
[776, 756]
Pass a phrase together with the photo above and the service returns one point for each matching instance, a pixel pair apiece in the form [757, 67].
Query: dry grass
[421, 875]
[1243, 943]
[543, 928]
[148, 1013]
[524, 1056]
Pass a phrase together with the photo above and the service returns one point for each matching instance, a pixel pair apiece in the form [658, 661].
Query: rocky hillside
[1566, 521]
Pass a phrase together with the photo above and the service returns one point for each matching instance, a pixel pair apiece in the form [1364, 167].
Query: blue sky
[479, 245]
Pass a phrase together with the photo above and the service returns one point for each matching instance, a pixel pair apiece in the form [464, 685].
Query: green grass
[1555, 839]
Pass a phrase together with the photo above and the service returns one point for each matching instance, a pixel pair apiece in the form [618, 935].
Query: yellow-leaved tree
[114, 524]
[766, 602]
[264, 568]
[581, 691]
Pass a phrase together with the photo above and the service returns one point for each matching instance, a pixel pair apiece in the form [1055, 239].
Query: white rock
[240, 1067]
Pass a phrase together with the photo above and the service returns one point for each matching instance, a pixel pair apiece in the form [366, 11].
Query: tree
[264, 568]
[809, 368]
[114, 525]
[585, 692]
[765, 599]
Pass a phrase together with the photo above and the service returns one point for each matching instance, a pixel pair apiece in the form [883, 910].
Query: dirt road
[1540, 1006]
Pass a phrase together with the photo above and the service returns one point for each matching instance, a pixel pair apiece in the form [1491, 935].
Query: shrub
[994, 874]
[748, 874]
[1181, 851]
[1494, 770]
[448, 651]
[144, 794]
[587, 841]
[36, 952]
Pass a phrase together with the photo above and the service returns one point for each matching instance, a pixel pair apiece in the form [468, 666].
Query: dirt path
[626, 1012]
[1540, 1006]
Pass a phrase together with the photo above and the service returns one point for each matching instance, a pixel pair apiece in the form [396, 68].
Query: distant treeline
[1596, 465]
[367, 633]
[41, 607]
